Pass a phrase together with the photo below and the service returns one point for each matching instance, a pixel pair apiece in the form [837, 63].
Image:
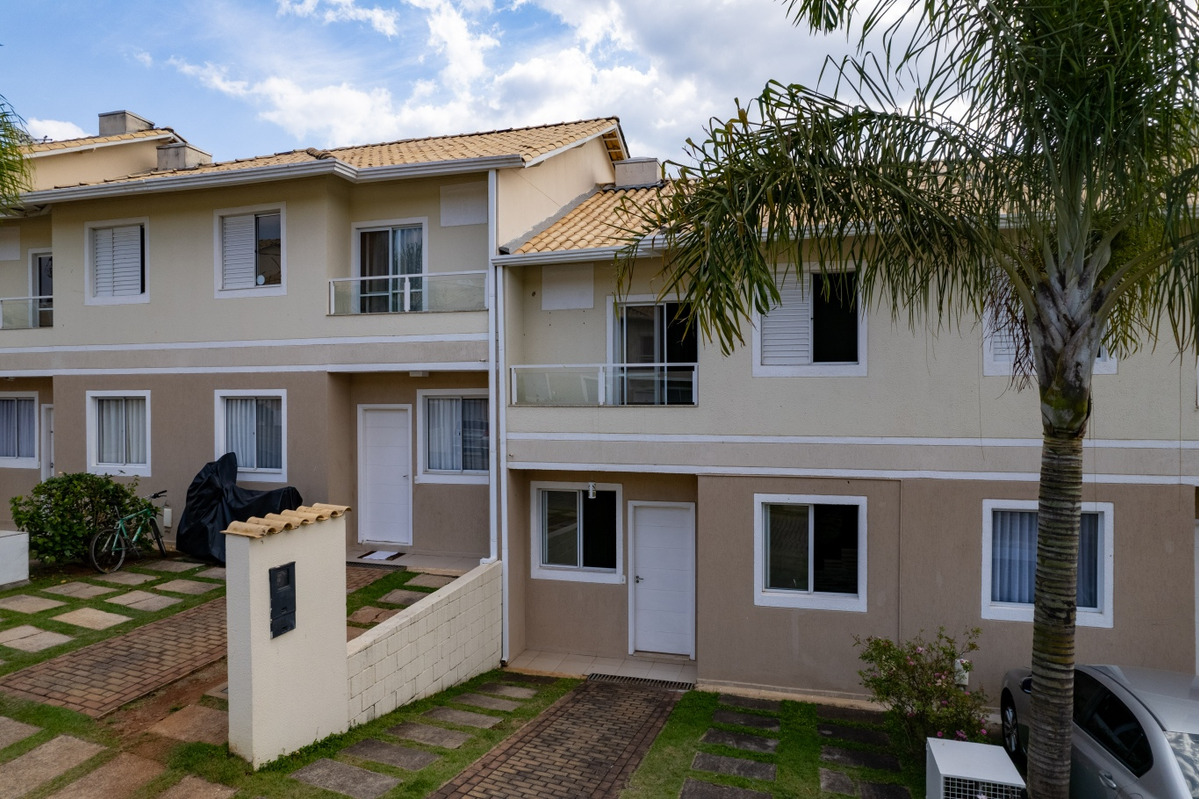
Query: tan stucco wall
[529, 197]
[92, 166]
[576, 617]
[16, 275]
[447, 518]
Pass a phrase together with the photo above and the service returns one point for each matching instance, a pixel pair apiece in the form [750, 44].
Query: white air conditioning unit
[962, 770]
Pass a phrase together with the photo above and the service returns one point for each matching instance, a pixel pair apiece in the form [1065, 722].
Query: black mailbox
[283, 599]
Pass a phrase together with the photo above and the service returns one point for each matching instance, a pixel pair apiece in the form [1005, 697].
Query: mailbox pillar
[286, 621]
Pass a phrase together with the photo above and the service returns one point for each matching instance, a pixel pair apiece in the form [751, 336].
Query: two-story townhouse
[325, 314]
[838, 476]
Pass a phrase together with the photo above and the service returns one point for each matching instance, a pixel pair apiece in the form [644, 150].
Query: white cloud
[54, 129]
[212, 76]
[382, 20]
[450, 35]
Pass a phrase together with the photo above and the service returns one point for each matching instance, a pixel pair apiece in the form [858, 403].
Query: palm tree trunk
[1054, 612]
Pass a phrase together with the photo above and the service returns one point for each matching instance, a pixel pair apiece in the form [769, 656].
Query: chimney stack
[181, 155]
[637, 172]
[114, 123]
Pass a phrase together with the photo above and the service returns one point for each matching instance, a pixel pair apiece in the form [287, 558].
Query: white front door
[385, 474]
[663, 595]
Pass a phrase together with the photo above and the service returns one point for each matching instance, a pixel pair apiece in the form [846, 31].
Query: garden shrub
[62, 513]
[914, 680]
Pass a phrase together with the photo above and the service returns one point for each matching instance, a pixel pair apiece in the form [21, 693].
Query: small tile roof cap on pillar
[272, 523]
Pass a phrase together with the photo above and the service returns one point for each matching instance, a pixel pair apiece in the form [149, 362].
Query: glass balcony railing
[23, 313]
[605, 384]
[439, 291]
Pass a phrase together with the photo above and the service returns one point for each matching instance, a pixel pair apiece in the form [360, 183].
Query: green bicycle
[109, 546]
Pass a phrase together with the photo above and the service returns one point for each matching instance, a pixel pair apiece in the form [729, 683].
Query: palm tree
[14, 169]
[1029, 163]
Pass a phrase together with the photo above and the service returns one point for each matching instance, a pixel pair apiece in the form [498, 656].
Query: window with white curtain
[116, 261]
[18, 431]
[253, 426]
[1010, 561]
[453, 430]
[118, 430]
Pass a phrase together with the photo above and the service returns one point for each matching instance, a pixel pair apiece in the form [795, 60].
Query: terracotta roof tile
[92, 141]
[600, 220]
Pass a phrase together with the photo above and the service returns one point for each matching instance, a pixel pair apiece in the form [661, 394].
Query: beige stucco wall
[529, 197]
[576, 617]
[56, 169]
[16, 274]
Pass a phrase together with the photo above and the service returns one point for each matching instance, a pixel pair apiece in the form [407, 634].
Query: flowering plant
[916, 681]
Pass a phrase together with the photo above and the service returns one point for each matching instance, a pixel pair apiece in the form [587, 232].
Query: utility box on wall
[286, 620]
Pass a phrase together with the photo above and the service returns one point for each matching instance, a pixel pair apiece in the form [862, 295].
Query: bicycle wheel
[107, 550]
[156, 534]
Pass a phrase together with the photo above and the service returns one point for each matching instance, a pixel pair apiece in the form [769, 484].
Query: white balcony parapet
[605, 384]
[23, 313]
[436, 291]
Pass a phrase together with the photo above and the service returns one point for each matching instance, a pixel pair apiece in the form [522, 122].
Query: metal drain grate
[643, 682]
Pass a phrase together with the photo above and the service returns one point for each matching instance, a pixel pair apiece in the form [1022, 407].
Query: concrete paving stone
[190, 587]
[28, 638]
[125, 578]
[858, 735]
[696, 789]
[195, 723]
[195, 788]
[25, 603]
[508, 691]
[430, 581]
[12, 731]
[43, 763]
[749, 702]
[836, 782]
[391, 754]
[740, 740]
[91, 618]
[402, 597]
[529, 679]
[119, 777]
[853, 757]
[354, 632]
[78, 590]
[734, 766]
[464, 718]
[746, 720]
[345, 779]
[487, 702]
[372, 615]
[169, 565]
[852, 714]
[143, 600]
[883, 790]
[430, 735]
[212, 573]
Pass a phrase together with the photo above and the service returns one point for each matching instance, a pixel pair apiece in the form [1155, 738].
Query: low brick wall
[446, 638]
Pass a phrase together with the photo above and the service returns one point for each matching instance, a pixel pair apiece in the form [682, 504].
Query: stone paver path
[195, 723]
[27, 603]
[91, 618]
[43, 763]
[28, 638]
[78, 590]
[345, 779]
[836, 725]
[591, 740]
[116, 779]
[98, 679]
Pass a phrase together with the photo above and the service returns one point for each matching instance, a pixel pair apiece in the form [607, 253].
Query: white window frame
[125, 469]
[219, 446]
[858, 369]
[808, 600]
[219, 251]
[33, 462]
[89, 293]
[1106, 362]
[1019, 611]
[540, 571]
[424, 473]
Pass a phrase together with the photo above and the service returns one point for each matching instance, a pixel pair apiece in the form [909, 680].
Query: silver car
[1135, 732]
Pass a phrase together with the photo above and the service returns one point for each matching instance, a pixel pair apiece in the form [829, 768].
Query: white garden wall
[442, 640]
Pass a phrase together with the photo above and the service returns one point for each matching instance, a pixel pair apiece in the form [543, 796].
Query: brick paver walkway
[98, 679]
[587, 744]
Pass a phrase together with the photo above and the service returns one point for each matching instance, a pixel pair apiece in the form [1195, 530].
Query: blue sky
[261, 76]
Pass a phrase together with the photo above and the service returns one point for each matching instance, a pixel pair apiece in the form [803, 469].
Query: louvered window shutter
[238, 252]
[786, 332]
[117, 261]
